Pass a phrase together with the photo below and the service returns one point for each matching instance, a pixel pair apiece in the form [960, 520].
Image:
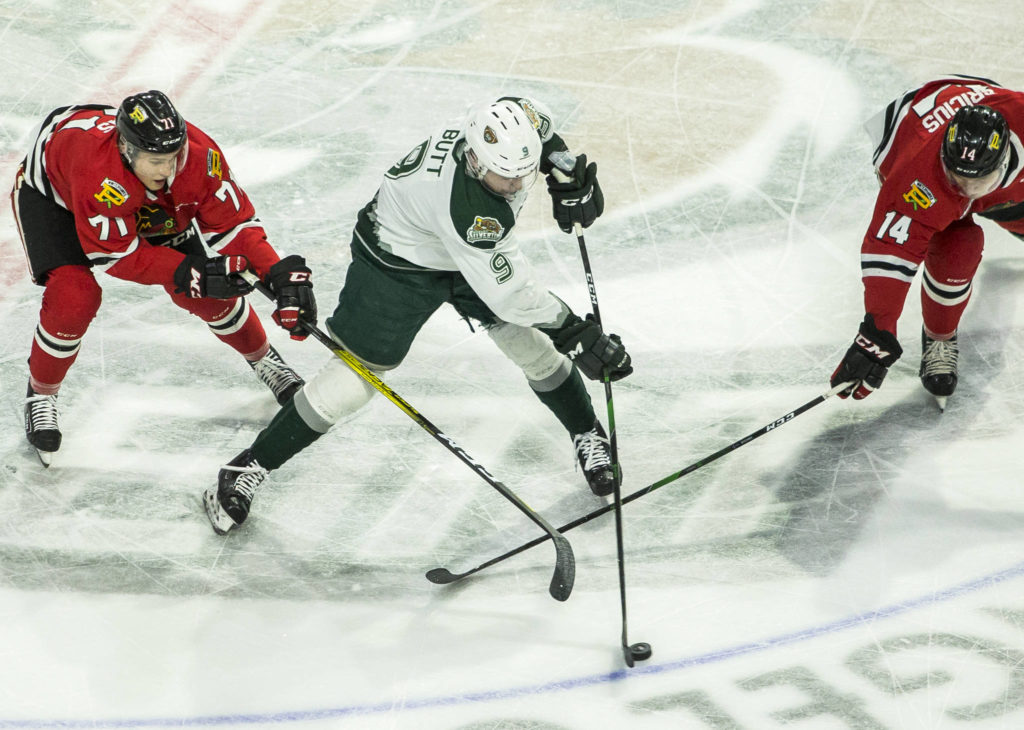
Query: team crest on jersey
[484, 229]
[213, 168]
[111, 192]
[919, 196]
[152, 220]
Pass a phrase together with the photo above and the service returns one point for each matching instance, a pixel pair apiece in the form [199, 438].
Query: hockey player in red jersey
[129, 192]
[945, 152]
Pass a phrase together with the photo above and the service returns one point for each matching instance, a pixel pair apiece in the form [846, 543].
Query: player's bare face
[506, 187]
[976, 187]
[154, 168]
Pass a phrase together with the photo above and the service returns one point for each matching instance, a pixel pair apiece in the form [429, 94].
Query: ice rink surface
[861, 566]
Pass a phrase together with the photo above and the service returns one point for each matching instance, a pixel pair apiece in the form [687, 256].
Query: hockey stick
[641, 650]
[565, 562]
[443, 575]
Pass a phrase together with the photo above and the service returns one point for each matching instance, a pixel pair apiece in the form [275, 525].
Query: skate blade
[45, 457]
[219, 519]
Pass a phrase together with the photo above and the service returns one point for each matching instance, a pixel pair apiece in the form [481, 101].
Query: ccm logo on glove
[291, 282]
[217, 277]
[870, 347]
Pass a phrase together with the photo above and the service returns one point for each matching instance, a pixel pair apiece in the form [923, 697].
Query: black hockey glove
[592, 351]
[578, 201]
[218, 278]
[290, 281]
[867, 361]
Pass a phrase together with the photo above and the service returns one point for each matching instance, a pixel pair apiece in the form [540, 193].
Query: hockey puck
[640, 651]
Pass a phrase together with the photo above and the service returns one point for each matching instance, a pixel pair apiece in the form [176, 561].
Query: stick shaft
[564, 577]
[778, 422]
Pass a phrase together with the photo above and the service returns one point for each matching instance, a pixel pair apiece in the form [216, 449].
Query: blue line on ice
[795, 637]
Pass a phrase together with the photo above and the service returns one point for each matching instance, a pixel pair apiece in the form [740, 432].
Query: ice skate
[593, 453]
[227, 504]
[938, 367]
[41, 427]
[276, 374]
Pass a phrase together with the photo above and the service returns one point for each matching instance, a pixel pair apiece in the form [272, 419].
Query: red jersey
[916, 200]
[75, 162]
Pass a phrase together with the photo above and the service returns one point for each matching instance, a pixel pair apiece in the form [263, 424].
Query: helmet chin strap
[473, 166]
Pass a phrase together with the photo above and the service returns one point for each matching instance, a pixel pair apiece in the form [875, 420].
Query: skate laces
[42, 412]
[249, 478]
[940, 357]
[274, 373]
[592, 450]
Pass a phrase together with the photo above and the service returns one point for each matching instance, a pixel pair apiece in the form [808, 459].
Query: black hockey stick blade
[443, 576]
[565, 570]
[562, 580]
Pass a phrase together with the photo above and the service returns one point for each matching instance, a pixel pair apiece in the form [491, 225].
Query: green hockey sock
[570, 403]
[283, 438]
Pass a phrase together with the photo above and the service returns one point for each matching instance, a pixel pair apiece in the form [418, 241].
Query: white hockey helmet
[503, 139]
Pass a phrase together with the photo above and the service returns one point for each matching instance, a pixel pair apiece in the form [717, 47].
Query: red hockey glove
[290, 281]
[867, 361]
[218, 278]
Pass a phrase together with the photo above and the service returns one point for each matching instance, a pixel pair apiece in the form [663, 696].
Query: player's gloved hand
[218, 278]
[867, 361]
[592, 351]
[579, 200]
[290, 281]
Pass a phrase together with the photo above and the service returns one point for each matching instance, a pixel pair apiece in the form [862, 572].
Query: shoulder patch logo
[540, 122]
[213, 168]
[919, 196]
[111, 192]
[485, 228]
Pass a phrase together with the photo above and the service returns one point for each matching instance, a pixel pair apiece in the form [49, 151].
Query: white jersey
[430, 214]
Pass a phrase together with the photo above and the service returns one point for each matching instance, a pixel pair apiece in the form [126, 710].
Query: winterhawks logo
[213, 164]
[919, 196]
[111, 192]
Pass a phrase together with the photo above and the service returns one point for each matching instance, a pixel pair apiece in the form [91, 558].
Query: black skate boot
[275, 373]
[41, 426]
[227, 504]
[595, 458]
[938, 367]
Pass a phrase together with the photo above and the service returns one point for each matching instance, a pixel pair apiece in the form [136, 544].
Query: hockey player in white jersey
[440, 230]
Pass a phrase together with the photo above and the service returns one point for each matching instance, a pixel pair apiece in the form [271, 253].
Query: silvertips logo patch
[484, 228]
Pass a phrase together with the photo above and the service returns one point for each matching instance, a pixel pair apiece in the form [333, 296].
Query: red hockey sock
[70, 301]
[949, 268]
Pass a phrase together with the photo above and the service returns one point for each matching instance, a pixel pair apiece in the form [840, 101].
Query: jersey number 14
[898, 231]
